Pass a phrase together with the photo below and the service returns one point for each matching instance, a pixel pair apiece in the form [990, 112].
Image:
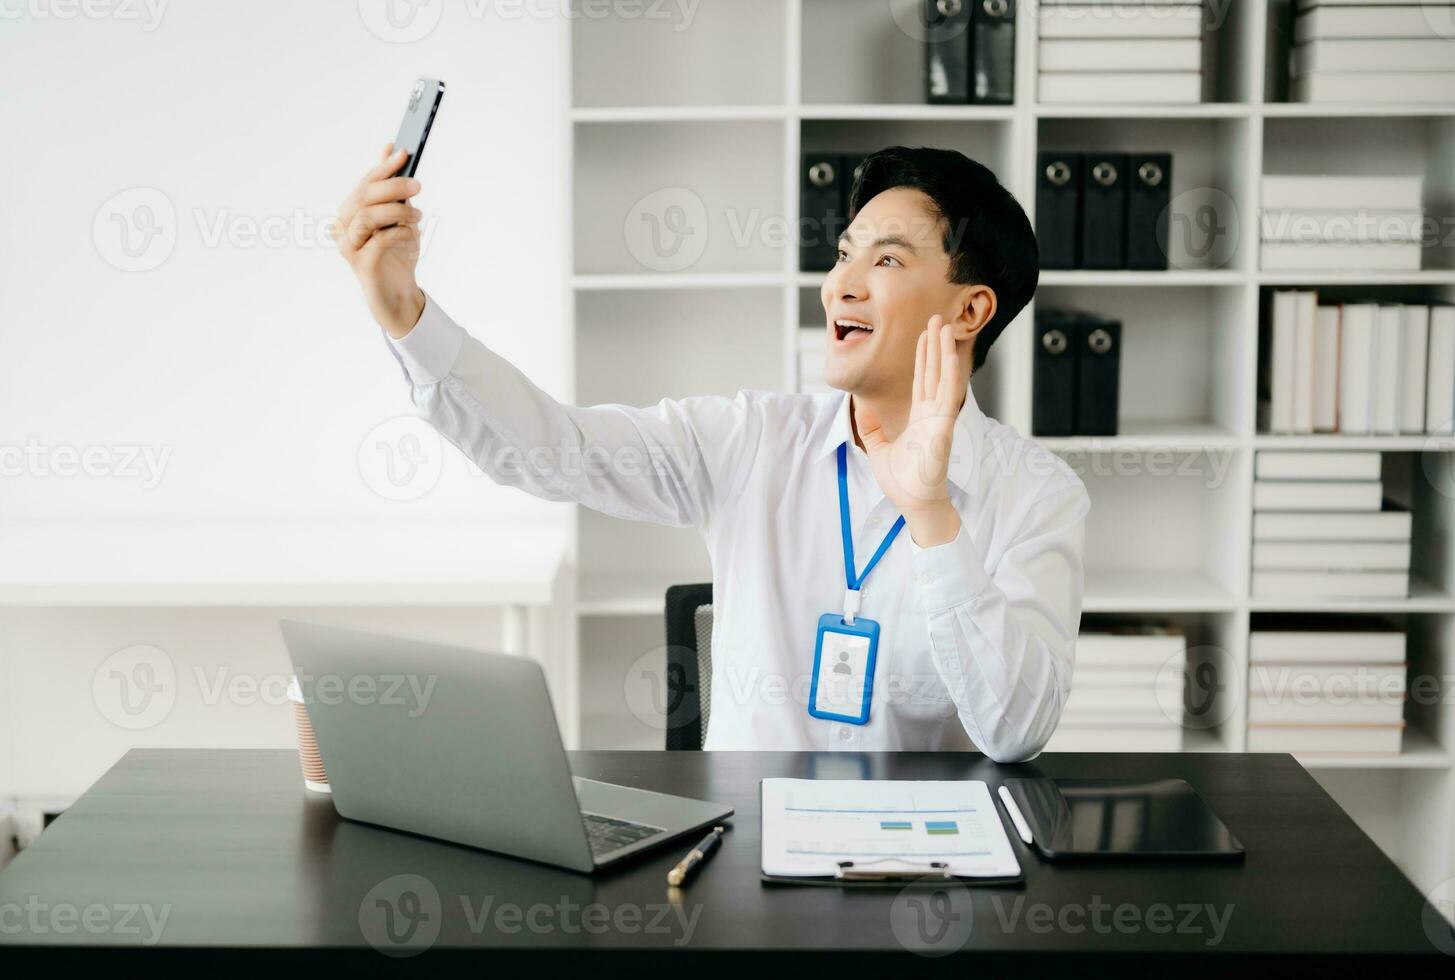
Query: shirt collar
[964, 446]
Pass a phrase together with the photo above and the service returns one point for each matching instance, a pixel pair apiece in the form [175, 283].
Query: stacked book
[1326, 685]
[1373, 51]
[1148, 51]
[1321, 528]
[812, 350]
[1358, 368]
[1127, 691]
[1318, 223]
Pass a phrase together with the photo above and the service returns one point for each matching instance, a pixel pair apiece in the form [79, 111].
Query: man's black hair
[987, 235]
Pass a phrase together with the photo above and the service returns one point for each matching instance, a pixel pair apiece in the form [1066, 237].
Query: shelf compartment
[1377, 145]
[1182, 354]
[692, 198]
[1209, 180]
[711, 52]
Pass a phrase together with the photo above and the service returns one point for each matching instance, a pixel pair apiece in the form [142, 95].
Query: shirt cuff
[949, 574]
[429, 351]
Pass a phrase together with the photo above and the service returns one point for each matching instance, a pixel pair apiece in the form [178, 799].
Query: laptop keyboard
[608, 834]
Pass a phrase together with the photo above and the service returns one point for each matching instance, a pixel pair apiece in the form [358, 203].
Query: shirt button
[926, 579]
[845, 734]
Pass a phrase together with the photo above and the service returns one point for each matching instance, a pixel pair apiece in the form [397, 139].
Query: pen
[1015, 816]
[695, 857]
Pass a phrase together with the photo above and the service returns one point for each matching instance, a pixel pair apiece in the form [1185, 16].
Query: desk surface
[227, 844]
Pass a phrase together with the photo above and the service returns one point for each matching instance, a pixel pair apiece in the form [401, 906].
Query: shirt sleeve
[672, 463]
[1003, 640]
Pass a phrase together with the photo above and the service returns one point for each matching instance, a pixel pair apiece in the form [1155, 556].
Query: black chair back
[689, 664]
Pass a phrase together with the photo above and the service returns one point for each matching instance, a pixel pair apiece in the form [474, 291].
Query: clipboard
[895, 871]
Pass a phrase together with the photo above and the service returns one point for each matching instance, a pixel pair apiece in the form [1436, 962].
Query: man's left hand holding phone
[377, 229]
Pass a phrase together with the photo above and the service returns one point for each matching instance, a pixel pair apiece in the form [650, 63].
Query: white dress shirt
[976, 635]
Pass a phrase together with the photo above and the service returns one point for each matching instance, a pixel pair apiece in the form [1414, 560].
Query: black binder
[1104, 211]
[822, 207]
[1058, 210]
[993, 52]
[1054, 374]
[947, 51]
[1098, 375]
[1148, 196]
[852, 162]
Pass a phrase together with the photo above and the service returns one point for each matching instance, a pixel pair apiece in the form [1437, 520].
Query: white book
[1368, 54]
[1326, 740]
[1285, 354]
[1305, 307]
[1183, 20]
[1327, 639]
[1414, 327]
[1370, 87]
[1321, 192]
[1151, 648]
[1128, 679]
[1373, 711]
[1440, 372]
[1116, 738]
[1326, 369]
[1345, 257]
[1357, 352]
[1141, 88]
[1384, 525]
[1278, 464]
[1319, 556]
[1385, 413]
[1309, 226]
[1139, 54]
[1365, 21]
[1329, 681]
[1331, 585]
[1145, 704]
[1303, 495]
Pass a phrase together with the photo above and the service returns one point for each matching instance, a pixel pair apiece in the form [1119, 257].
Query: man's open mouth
[851, 330]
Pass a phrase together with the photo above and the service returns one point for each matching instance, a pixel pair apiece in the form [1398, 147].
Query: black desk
[248, 866]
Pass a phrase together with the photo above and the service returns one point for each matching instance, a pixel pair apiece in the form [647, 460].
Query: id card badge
[843, 669]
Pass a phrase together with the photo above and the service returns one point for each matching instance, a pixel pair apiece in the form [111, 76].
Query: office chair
[689, 664]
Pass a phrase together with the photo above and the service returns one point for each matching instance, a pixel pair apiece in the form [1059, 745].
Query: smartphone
[424, 102]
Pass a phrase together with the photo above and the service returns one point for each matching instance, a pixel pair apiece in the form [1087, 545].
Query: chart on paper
[810, 825]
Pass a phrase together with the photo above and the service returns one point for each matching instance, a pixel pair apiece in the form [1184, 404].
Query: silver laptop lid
[454, 743]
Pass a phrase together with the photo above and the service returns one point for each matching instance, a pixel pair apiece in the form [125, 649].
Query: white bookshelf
[724, 108]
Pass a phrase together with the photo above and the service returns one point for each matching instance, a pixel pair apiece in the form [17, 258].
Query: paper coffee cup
[311, 760]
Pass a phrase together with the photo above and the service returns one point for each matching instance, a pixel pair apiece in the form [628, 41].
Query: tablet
[1121, 818]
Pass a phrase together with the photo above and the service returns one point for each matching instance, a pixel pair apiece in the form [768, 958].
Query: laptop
[462, 745]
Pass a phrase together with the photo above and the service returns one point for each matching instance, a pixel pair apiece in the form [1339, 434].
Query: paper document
[810, 825]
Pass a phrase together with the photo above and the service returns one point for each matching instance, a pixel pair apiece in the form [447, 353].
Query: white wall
[255, 365]
[251, 368]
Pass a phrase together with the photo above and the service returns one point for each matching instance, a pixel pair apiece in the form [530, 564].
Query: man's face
[892, 275]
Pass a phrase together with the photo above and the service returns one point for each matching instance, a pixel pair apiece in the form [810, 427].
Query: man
[968, 621]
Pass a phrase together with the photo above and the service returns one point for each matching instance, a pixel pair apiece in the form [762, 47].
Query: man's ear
[977, 305]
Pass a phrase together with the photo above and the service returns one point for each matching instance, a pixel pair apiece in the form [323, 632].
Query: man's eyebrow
[886, 240]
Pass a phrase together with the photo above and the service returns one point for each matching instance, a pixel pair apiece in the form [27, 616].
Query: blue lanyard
[847, 532]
